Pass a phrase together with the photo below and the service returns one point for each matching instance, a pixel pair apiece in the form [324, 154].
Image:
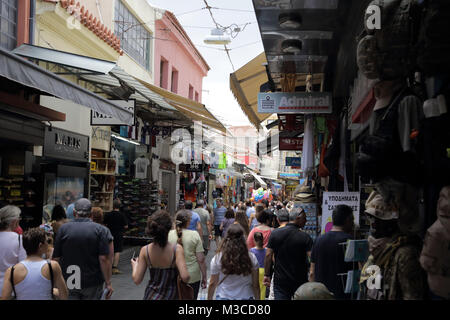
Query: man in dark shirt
[117, 223]
[291, 248]
[82, 248]
[327, 257]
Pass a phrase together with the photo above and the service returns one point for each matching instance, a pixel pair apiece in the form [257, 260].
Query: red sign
[290, 144]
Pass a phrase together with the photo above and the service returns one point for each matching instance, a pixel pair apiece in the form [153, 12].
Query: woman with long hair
[234, 269]
[193, 249]
[241, 218]
[163, 259]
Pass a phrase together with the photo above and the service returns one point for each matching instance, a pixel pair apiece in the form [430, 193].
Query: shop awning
[28, 74]
[192, 109]
[245, 84]
[258, 178]
[105, 77]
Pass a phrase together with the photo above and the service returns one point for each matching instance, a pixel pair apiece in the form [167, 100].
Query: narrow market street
[311, 136]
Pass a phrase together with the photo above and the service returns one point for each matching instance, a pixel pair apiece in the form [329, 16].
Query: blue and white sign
[293, 162]
[295, 102]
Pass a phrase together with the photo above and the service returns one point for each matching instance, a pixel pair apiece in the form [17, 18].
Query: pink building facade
[179, 67]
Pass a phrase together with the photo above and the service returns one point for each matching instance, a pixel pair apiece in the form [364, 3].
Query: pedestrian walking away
[264, 218]
[234, 269]
[35, 278]
[86, 245]
[327, 256]
[193, 250]
[291, 248]
[164, 260]
[195, 223]
[11, 243]
[117, 223]
[205, 221]
[219, 215]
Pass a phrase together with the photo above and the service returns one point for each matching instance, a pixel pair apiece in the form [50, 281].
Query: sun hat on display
[377, 207]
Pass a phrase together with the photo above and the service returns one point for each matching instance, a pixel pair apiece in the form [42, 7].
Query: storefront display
[65, 168]
[139, 199]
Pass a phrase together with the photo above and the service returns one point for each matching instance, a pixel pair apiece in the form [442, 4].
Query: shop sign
[293, 161]
[288, 175]
[295, 102]
[331, 200]
[291, 187]
[101, 119]
[193, 167]
[66, 145]
[289, 144]
[101, 138]
[166, 165]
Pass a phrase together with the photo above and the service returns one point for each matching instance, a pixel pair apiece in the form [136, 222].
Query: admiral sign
[295, 102]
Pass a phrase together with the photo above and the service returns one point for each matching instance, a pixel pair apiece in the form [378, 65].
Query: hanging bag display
[387, 53]
[434, 38]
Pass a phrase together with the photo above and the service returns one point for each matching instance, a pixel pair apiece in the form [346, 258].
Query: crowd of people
[261, 253]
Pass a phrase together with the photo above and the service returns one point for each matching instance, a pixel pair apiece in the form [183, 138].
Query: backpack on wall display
[387, 53]
[434, 38]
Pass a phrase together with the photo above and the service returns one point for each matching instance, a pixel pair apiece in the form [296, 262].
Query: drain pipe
[32, 21]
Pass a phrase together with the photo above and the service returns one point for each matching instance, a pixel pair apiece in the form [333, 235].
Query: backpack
[387, 53]
[434, 38]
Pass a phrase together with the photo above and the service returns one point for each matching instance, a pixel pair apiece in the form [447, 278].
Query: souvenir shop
[228, 184]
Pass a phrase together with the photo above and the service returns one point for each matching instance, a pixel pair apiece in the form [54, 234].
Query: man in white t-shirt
[141, 165]
[11, 248]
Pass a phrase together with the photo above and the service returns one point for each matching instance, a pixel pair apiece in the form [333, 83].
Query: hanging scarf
[381, 251]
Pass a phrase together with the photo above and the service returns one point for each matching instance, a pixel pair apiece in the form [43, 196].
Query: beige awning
[190, 108]
[245, 84]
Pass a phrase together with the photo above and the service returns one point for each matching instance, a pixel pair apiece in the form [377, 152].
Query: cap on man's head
[83, 205]
[313, 291]
[283, 215]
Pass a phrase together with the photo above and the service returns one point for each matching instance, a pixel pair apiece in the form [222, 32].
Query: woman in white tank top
[31, 278]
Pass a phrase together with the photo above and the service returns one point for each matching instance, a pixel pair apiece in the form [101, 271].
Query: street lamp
[217, 37]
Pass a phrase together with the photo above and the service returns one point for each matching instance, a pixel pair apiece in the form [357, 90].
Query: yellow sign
[15, 193]
[93, 165]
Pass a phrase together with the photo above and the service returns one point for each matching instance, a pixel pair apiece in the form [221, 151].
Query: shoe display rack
[139, 198]
[102, 183]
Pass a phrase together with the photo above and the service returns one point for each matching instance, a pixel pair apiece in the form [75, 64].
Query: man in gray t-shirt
[83, 249]
[205, 221]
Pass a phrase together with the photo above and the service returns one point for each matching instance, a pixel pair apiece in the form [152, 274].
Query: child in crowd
[260, 252]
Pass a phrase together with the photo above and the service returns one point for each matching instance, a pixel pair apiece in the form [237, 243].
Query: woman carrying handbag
[164, 260]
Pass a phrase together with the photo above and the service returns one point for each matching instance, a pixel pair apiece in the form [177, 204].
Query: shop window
[191, 92]
[135, 40]
[8, 24]
[174, 81]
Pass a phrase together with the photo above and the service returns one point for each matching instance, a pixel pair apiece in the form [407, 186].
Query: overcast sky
[217, 95]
